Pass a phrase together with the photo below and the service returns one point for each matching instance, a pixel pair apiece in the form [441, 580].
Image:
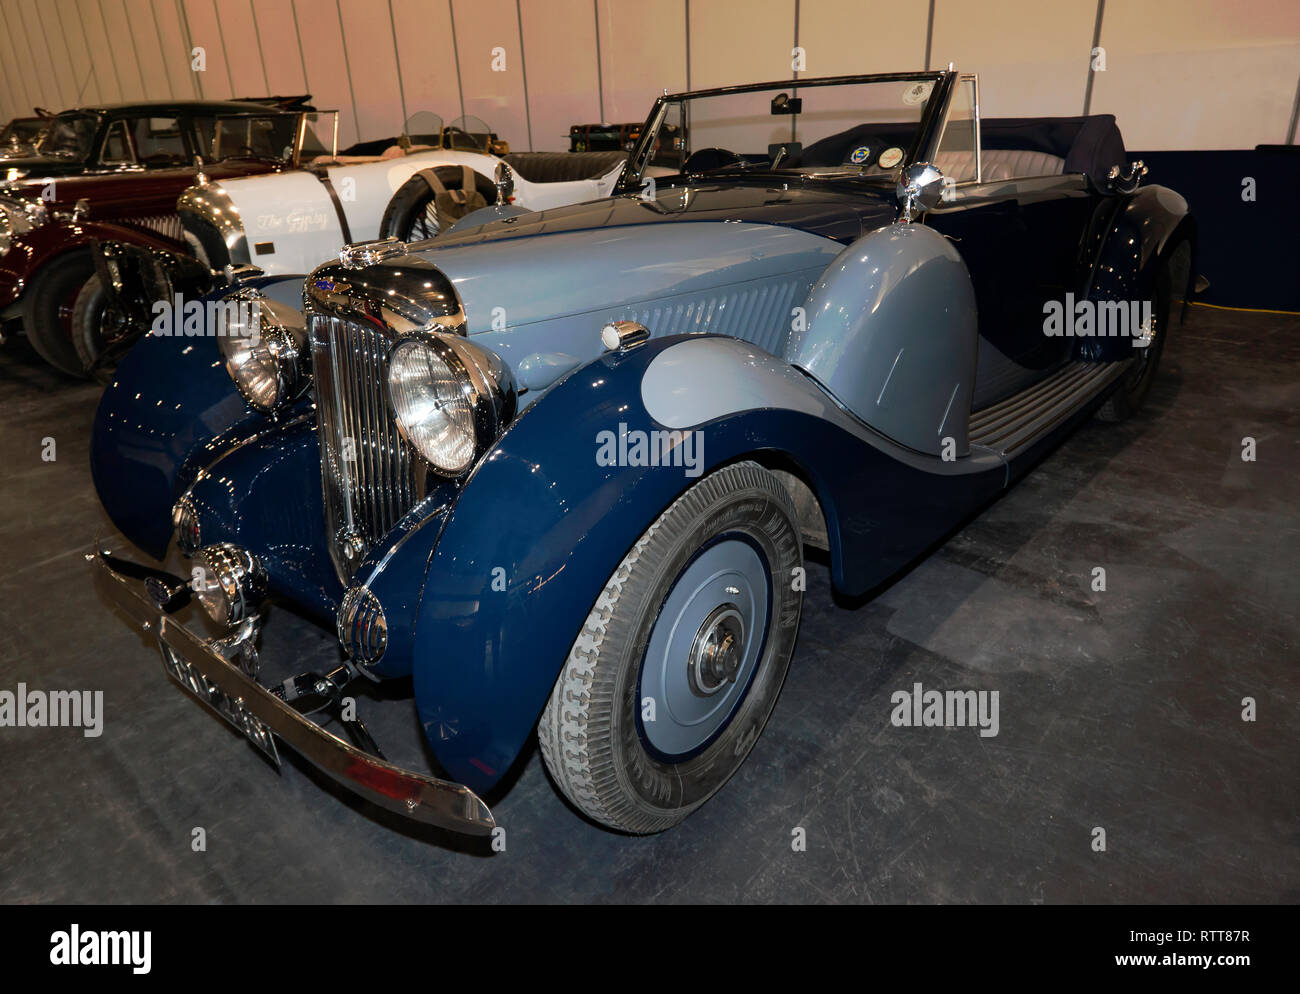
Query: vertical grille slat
[367, 495]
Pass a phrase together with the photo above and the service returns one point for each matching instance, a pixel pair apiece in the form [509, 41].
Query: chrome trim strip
[415, 795]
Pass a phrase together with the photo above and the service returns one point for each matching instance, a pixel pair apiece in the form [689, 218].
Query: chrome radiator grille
[369, 474]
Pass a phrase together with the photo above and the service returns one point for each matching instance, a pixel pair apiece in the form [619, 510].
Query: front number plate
[230, 708]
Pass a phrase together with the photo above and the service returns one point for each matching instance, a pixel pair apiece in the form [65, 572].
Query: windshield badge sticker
[891, 157]
[860, 155]
[917, 93]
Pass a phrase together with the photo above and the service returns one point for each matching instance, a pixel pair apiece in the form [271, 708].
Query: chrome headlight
[17, 219]
[451, 398]
[264, 345]
[231, 583]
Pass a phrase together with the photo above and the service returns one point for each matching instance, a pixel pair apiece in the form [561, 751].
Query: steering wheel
[702, 160]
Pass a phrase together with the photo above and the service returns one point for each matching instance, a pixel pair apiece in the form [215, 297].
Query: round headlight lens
[231, 583]
[212, 596]
[433, 399]
[262, 356]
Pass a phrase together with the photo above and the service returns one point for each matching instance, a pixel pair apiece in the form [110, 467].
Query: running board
[1023, 418]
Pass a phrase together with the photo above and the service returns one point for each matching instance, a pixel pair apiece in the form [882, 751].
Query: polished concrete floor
[1119, 710]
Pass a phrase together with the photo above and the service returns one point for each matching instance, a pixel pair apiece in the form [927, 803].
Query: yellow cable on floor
[1245, 310]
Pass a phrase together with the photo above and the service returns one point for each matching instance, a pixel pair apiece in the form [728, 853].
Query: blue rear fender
[542, 523]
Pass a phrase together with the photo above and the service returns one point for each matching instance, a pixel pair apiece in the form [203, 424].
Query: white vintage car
[290, 222]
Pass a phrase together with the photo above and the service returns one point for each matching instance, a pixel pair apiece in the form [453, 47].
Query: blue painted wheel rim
[704, 648]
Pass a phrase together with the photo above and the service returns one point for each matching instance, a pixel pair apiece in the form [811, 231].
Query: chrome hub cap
[704, 649]
[717, 652]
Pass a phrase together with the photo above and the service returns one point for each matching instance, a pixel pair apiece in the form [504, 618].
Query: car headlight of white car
[264, 345]
[450, 398]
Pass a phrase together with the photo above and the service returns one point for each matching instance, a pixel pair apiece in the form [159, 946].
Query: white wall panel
[1200, 73]
[642, 52]
[76, 51]
[25, 37]
[327, 70]
[174, 50]
[1180, 73]
[140, 26]
[1032, 55]
[427, 57]
[205, 33]
[52, 81]
[836, 42]
[19, 85]
[750, 44]
[120, 41]
[105, 81]
[71, 62]
[496, 97]
[243, 55]
[372, 61]
[560, 49]
[278, 40]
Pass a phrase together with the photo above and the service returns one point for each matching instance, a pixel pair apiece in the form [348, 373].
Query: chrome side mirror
[505, 181]
[919, 189]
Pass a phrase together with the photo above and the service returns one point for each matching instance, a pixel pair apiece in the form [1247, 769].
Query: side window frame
[128, 142]
[973, 79]
[181, 130]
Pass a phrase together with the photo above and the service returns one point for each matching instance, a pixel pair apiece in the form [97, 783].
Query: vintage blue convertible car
[560, 468]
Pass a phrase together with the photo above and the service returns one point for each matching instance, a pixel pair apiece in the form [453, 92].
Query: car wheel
[412, 214]
[680, 661]
[100, 333]
[1125, 400]
[48, 310]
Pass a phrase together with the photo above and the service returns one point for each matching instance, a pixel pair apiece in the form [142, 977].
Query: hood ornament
[360, 254]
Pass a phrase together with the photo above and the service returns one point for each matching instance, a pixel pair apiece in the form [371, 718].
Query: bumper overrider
[217, 673]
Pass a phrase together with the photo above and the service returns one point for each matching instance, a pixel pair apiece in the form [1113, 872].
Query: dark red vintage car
[19, 137]
[114, 173]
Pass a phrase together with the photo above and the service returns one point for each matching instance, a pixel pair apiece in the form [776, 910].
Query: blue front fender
[544, 519]
[169, 411]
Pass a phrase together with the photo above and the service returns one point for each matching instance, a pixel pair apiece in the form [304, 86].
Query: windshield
[865, 129]
[70, 136]
[469, 134]
[424, 129]
[250, 136]
[22, 131]
[320, 134]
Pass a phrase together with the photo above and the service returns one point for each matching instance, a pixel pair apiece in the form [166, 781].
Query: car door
[147, 153]
[1020, 238]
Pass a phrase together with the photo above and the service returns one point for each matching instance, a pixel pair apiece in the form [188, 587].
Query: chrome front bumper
[231, 693]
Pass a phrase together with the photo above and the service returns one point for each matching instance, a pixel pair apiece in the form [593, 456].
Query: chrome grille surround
[370, 475]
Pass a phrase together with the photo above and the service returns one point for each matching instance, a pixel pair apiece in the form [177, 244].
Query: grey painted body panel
[892, 332]
[540, 302]
[695, 382]
[486, 215]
